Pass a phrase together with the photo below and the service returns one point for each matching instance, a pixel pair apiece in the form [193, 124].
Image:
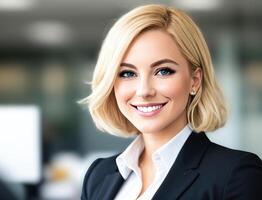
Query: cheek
[122, 91]
[175, 88]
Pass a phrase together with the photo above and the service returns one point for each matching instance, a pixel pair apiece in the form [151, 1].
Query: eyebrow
[154, 64]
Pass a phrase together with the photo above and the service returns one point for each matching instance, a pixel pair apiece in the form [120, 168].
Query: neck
[154, 141]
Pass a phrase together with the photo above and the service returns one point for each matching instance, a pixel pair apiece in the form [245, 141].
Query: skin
[153, 72]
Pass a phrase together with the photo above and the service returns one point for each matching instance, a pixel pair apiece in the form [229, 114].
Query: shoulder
[106, 164]
[226, 155]
[240, 171]
[198, 145]
[223, 158]
[100, 167]
[96, 173]
[211, 155]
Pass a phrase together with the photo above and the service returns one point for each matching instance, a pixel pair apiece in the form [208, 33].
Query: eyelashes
[126, 74]
[165, 71]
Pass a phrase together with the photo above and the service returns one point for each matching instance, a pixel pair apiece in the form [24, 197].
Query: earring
[193, 92]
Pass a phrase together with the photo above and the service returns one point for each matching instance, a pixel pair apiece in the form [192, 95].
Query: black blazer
[202, 171]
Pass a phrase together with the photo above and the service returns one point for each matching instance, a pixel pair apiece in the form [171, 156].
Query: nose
[145, 88]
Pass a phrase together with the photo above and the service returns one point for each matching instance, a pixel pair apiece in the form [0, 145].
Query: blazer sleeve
[87, 181]
[245, 181]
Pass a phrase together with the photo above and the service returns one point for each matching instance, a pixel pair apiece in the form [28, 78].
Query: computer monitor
[20, 143]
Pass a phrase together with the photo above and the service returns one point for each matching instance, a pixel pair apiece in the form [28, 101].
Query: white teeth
[148, 108]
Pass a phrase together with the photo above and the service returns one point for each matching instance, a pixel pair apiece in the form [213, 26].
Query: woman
[154, 79]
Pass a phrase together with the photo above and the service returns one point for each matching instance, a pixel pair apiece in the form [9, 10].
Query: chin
[150, 129]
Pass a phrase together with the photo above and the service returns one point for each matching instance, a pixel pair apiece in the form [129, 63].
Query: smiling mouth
[149, 107]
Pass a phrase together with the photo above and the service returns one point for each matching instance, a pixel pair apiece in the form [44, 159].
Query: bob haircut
[206, 111]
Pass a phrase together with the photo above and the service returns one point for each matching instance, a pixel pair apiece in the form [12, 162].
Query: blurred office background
[48, 49]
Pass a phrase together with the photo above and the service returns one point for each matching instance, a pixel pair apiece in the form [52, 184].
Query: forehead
[153, 45]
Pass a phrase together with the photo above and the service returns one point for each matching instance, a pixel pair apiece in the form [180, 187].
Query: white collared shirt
[163, 159]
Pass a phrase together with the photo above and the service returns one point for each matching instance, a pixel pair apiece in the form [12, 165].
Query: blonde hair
[206, 110]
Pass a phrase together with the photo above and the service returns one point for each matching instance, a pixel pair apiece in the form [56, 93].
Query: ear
[196, 81]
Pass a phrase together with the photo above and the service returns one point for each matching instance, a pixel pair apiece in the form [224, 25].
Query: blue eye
[165, 72]
[127, 74]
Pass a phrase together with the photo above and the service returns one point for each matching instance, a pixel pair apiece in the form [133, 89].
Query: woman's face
[154, 83]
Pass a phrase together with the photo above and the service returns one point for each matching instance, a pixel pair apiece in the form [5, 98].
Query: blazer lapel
[110, 186]
[184, 170]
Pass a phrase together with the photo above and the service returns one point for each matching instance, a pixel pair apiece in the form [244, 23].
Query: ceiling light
[50, 33]
[198, 4]
[14, 5]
